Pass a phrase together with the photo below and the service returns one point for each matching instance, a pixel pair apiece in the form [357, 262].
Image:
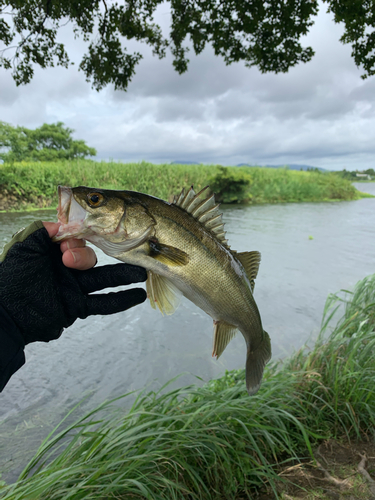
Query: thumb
[52, 228]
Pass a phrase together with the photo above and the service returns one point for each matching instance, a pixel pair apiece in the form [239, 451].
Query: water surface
[308, 251]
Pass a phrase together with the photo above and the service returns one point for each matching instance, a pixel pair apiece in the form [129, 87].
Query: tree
[261, 33]
[46, 143]
[231, 186]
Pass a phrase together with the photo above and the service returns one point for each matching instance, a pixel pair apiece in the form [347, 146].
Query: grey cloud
[8, 91]
[229, 142]
[329, 108]
[30, 105]
[207, 76]
[173, 109]
[297, 85]
[237, 105]
[364, 92]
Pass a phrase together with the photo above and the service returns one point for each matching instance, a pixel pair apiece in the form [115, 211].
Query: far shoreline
[30, 186]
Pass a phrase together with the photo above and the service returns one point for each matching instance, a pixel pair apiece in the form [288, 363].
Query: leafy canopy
[46, 143]
[260, 33]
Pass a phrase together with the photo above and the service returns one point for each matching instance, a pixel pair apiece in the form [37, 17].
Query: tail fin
[255, 363]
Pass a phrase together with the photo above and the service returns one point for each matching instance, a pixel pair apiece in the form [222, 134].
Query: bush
[231, 185]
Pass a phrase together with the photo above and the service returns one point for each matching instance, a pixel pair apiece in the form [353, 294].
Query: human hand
[75, 253]
[45, 287]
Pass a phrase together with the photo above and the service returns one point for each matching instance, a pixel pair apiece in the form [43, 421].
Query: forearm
[12, 345]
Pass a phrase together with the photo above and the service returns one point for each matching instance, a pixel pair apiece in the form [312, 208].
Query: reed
[215, 442]
[34, 184]
[282, 185]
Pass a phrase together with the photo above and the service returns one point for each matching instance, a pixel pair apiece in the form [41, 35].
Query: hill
[290, 166]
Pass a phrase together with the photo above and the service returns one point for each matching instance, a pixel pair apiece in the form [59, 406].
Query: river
[308, 251]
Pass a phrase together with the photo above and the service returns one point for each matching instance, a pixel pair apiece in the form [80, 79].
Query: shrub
[231, 185]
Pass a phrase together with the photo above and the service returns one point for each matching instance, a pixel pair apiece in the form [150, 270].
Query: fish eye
[95, 199]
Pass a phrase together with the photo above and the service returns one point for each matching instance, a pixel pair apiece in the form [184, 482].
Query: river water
[308, 251]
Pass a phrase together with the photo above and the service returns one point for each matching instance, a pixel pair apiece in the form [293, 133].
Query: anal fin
[162, 293]
[223, 334]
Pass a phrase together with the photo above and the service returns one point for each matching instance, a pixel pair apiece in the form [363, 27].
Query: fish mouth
[70, 214]
[65, 196]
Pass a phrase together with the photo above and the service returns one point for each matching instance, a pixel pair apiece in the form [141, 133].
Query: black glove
[43, 296]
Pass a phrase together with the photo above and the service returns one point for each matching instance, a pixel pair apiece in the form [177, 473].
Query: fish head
[102, 216]
[84, 211]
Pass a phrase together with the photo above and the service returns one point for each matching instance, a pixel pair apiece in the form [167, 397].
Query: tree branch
[340, 483]
[366, 475]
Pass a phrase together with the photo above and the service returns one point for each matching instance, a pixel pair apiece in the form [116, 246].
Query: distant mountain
[291, 166]
[185, 162]
[296, 166]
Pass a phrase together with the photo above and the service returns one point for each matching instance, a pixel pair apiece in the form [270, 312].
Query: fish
[183, 246]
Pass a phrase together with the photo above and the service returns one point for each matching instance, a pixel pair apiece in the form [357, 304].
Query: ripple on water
[104, 357]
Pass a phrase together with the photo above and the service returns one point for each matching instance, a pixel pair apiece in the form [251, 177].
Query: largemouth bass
[183, 247]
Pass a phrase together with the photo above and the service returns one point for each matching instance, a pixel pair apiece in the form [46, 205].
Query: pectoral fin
[223, 334]
[162, 293]
[166, 254]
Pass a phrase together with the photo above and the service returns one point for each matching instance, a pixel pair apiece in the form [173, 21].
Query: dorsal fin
[205, 210]
[250, 262]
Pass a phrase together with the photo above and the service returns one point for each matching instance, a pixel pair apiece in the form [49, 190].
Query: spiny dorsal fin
[162, 293]
[223, 334]
[206, 211]
[250, 262]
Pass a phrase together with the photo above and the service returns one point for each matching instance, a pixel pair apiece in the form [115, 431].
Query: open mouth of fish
[70, 215]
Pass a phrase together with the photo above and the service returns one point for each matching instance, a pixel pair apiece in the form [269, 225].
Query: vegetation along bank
[28, 185]
[216, 442]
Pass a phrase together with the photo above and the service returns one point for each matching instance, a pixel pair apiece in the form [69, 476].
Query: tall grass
[215, 442]
[35, 183]
[282, 185]
[158, 180]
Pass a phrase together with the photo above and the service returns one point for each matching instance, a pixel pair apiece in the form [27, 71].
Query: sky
[320, 113]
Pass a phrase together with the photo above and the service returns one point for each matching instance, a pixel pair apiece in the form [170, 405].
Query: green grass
[216, 442]
[282, 185]
[34, 184]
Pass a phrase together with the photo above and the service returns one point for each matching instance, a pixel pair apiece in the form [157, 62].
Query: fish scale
[183, 247]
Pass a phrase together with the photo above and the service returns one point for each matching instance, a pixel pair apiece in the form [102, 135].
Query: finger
[52, 228]
[110, 276]
[72, 243]
[110, 303]
[79, 258]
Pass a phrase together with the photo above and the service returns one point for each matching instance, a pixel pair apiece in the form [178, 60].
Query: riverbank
[215, 442]
[25, 186]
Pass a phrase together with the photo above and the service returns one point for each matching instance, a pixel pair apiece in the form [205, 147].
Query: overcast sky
[320, 113]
